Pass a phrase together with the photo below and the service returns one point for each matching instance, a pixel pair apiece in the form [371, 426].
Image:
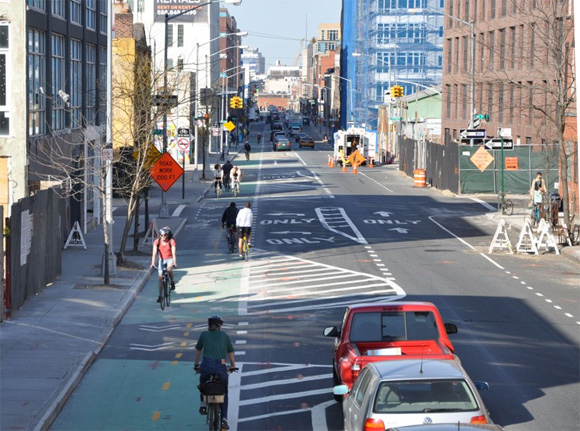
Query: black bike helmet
[215, 320]
[165, 231]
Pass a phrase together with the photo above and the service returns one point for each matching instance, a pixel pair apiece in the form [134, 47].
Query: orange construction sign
[481, 159]
[166, 171]
[356, 158]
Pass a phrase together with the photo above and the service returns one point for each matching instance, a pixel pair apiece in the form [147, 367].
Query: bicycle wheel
[213, 417]
[235, 190]
[509, 207]
[231, 241]
[164, 289]
[245, 248]
[167, 289]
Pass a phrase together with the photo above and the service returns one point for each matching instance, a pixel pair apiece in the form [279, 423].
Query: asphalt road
[324, 239]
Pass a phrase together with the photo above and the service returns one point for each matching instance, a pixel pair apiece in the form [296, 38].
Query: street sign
[183, 144]
[107, 154]
[215, 131]
[481, 159]
[230, 126]
[495, 144]
[166, 171]
[472, 133]
[183, 132]
[505, 132]
[151, 156]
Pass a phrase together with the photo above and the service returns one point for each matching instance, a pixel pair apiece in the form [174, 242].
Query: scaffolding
[397, 42]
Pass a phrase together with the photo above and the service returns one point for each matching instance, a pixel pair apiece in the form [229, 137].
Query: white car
[405, 392]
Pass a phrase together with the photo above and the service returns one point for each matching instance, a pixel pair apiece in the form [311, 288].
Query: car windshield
[393, 326]
[424, 396]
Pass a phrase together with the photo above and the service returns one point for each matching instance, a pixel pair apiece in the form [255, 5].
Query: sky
[276, 27]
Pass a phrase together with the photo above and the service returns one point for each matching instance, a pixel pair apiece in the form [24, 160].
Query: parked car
[281, 144]
[387, 331]
[412, 392]
[307, 141]
[449, 427]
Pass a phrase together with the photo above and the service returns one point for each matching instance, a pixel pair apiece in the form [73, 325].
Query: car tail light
[374, 425]
[355, 370]
[478, 420]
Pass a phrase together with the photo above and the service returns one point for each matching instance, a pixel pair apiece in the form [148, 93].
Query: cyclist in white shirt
[244, 224]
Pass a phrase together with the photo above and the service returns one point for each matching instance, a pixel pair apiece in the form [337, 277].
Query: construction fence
[453, 167]
[34, 237]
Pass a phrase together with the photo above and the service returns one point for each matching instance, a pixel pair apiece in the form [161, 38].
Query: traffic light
[400, 91]
[393, 92]
[396, 91]
[233, 103]
[240, 103]
[206, 118]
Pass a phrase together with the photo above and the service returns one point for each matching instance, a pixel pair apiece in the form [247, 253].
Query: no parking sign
[183, 144]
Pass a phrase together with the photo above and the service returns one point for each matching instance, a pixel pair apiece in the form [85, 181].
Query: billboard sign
[174, 7]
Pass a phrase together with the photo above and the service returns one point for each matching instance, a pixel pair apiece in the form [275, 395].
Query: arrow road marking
[400, 229]
[383, 213]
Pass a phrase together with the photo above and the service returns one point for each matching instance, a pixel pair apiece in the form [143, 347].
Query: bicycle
[214, 394]
[245, 247]
[166, 284]
[506, 205]
[231, 238]
[236, 187]
[247, 155]
[218, 189]
[537, 213]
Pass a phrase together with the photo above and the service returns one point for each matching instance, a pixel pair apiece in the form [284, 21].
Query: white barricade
[151, 235]
[500, 239]
[75, 237]
[527, 241]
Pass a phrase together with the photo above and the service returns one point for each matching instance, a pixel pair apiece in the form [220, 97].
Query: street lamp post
[195, 128]
[349, 85]
[164, 210]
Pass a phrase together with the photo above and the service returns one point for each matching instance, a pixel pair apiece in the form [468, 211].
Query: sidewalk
[48, 345]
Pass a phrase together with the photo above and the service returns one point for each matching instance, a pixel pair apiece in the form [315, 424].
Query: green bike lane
[144, 379]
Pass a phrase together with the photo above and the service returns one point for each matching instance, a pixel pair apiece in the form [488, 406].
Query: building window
[532, 43]
[91, 72]
[91, 14]
[179, 64]
[76, 11]
[475, 10]
[57, 8]
[456, 104]
[502, 49]
[489, 99]
[514, 6]
[511, 104]
[36, 80]
[512, 47]
[37, 4]
[180, 35]
[465, 53]
[169, 35]
[57, 120]
[4, 80]
[530, 103]
[466, 10]
[76, 74]
[464, 101]
[500, 95]
[103, 20]
[491, 41]
[492, 9]
[456, 59]
[332, 34]
[503, 7]
[102, 84]
[448, 101]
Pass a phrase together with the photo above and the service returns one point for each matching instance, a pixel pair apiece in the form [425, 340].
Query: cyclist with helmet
[244, 224]
[259, 137]
[214, 347]
[165, 248]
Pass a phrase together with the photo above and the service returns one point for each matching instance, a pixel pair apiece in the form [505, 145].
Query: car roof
[391, 305]
[419, 369]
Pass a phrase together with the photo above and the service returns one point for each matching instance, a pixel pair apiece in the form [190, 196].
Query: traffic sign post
[183, 145]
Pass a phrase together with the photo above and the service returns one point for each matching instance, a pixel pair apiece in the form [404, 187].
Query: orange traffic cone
[354, 171]
[371, 164]
[343, 167]
[332, 162]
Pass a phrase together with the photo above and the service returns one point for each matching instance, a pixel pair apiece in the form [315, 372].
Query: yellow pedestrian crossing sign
[230, 126]
[151, 157]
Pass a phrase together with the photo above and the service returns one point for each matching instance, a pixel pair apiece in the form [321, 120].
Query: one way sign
[495, 144]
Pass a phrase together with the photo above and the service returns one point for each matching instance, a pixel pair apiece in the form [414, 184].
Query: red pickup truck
[387, 331]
